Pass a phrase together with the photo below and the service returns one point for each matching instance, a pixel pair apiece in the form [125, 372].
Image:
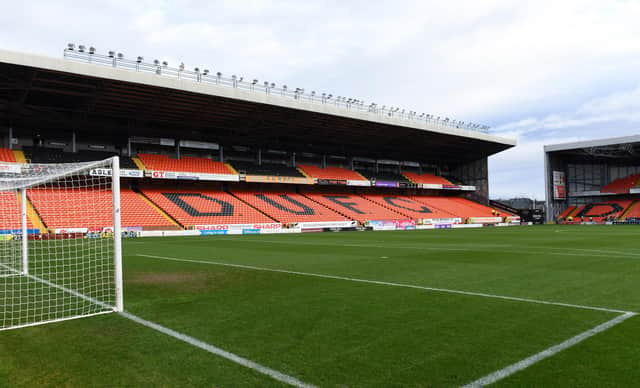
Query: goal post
[60, 242]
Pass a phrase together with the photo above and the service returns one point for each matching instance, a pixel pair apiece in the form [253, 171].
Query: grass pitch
[337, 332]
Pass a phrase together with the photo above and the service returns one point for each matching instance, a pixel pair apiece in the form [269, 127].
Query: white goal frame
[24, 290]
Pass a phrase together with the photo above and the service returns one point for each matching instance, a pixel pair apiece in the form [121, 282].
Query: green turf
[331, 332]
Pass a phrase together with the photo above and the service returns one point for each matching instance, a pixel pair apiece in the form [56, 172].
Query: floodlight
[112, 54]
[140, 59]
[81, 48]
[71, 46]
[120, 56]
[92, 50]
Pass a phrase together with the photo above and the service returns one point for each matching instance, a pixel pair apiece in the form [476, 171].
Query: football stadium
[166, 226]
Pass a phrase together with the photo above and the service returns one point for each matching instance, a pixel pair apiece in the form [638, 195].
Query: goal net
[60, 252]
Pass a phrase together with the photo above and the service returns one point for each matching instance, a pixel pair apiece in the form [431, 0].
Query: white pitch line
[527, 362]
[165, 330]
[274, 374]
[383, 283]
[465, 248]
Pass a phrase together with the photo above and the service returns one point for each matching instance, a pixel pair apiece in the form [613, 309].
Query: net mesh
[68, 270]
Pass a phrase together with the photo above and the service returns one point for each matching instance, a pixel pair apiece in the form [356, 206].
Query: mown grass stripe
[383, 283]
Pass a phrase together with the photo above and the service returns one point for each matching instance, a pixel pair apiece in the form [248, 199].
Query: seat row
[63, 208]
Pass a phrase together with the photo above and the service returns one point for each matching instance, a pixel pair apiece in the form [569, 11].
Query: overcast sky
[542, 72]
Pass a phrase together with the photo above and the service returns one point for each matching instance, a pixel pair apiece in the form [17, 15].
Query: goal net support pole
[25, 231]
[117, 234]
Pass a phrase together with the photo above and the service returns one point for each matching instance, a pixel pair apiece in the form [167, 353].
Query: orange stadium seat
[565, 213]
[602, 210]
[192, 207]
[58, 210]
[622, 185]
[338, 173]
[355, 207]
[460, 207]
[6, 155]
[634, 210]
[408, 206]
[289, 207]
[10, 211]
[426, 178]
[184, 164]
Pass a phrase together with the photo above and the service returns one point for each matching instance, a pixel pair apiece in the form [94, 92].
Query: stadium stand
[184, 164]
[426, 178]
[288, 207]
[622, 185]
[6, 155]
[192, 207]
[52, 155]
[602, 211]
[567, 212]
[10, 211]
[249, 168]
[58, 212]
[460, 207]
[355, 207]
[633, 211]
[382, 176]
[408, 206]
[334, 173]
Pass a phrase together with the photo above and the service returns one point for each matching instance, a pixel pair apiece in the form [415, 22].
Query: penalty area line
[383, 283]
[529, 361]
[274, 374]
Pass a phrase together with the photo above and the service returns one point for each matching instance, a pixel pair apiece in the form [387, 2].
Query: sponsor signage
[559, 185]
[332, 182]
[279, 179]
[239, 227]
[358, 183]
[634, 191]
[124, 173]
[437, 186]
[326, 225]
[10, 168]
[392, 224]
[191, 176]
[386, 184]
[485, 220]
[70, 230]
[18, 231]
[436, 221]
[408, 185]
